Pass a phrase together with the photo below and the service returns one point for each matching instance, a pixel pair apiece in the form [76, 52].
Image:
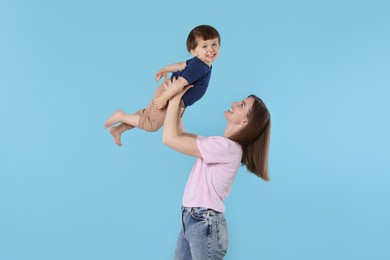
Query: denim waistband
[192, 209]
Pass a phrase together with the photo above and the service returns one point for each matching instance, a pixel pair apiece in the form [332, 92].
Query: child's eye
[204, 46]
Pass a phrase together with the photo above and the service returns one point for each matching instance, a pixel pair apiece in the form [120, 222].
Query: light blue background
[68, 192]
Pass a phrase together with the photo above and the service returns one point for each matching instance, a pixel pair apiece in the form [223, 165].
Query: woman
[245, 141]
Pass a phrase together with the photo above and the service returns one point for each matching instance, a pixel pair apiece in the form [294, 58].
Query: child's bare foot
[115, 118]
[115, 132]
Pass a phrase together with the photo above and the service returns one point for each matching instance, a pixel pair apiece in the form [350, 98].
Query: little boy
[203, 43]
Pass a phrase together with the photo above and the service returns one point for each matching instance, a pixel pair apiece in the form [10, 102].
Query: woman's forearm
[175, 88]
[172, 136]
[171, 123]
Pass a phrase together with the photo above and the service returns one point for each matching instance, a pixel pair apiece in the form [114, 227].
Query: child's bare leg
[130, 121]
[116, 132]
[121, 117]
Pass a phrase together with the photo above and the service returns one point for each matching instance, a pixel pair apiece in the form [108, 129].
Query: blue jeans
[204, 235]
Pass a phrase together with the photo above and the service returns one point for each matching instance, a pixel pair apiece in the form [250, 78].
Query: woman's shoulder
[220, 141]
[219, 149]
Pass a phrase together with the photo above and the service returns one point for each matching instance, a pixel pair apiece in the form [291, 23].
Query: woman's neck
[230, 130]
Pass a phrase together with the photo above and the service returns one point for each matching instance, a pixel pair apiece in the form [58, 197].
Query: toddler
[203, 43]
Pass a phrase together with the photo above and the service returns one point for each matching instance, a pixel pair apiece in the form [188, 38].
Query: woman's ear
[244, 122]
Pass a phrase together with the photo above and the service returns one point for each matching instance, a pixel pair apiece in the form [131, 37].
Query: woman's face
[238, 113]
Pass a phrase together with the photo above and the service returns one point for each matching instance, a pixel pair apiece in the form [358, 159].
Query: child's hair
[206, 32]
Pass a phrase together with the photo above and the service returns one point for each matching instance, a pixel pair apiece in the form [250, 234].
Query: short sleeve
[193, 72]
[218, 149]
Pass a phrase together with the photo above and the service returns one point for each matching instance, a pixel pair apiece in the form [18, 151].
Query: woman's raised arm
[172, 136]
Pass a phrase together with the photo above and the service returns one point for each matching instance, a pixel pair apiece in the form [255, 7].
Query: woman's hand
[179, 95]
[161, 101]
[177, 98]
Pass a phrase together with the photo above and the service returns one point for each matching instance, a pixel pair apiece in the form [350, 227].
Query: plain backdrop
[68, 192]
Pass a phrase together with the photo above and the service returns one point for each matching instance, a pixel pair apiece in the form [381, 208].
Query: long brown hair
[254, 139]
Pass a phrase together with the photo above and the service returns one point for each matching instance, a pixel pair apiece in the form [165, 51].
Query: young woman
[246, 139]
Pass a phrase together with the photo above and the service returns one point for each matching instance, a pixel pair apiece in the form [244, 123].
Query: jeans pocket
[199, 214]
[201, 221]
[223, 235]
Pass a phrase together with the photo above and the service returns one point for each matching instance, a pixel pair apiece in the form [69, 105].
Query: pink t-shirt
[212, 175]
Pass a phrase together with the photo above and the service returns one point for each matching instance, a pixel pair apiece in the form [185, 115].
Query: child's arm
[174, 88]
[169, 68]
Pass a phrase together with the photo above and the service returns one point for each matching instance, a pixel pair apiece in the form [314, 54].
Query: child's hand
[161, 73]
[160, 102]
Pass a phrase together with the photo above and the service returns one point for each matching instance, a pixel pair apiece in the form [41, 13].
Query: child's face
[207, 51]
